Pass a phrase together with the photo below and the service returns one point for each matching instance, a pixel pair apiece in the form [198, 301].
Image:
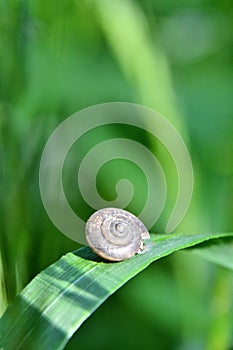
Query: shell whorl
[115, 234]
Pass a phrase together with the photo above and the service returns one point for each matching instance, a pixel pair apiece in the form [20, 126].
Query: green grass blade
[58, 300]
[221, 254]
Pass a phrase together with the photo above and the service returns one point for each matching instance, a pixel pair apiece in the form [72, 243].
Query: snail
[115, 234]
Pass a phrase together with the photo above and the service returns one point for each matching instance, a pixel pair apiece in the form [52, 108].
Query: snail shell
[115, 234]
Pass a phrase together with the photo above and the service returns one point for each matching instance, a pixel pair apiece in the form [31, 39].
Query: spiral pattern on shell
[75, 179]
[115, 234]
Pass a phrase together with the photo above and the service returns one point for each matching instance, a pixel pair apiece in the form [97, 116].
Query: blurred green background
[174, 56]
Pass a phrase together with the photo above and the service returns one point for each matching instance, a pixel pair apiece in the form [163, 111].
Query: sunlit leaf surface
[58, 300]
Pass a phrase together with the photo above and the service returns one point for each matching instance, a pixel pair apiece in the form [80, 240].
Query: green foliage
[54, 305]
[57, 57]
